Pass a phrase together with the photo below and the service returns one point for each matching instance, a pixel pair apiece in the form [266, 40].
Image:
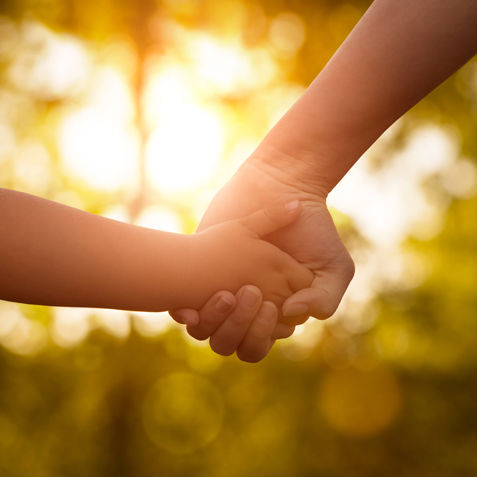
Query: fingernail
[292, 206]
[250, 297]
[295, 309]
[223, 304]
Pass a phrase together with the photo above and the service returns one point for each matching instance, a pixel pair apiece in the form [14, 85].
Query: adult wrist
[300, 171]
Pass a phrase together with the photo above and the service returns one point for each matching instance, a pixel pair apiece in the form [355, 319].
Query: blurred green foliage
[398, 398]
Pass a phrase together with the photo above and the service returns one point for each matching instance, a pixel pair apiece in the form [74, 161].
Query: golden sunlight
[185, 148]
[186, 140]
[226, 68]
[96, 151]
[98, 144]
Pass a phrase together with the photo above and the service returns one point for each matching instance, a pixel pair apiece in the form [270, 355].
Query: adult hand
[241, 323]
[312, 239]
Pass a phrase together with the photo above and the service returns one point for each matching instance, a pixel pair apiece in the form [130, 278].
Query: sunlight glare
[160, 218]
[225, 68]
[98, 148]
[389, 205]
[230, 68]
[185, 148]
[99, 143]
[49, 65]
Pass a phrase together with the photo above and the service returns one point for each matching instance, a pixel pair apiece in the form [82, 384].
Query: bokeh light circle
[360, 403]
[183, 412]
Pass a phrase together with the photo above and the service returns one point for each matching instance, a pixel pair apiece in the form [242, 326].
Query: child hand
[232, 326]
[234, 253]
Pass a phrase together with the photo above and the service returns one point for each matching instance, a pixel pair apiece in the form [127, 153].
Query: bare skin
[51, 254]
[398, 52]
[234, 326]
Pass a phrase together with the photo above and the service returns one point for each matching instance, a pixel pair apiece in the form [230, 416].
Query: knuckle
[261, 332]
[212, 320]
[245, 312]
[241, 318]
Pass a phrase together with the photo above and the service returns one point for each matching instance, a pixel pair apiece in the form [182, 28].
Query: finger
[185, 316]
[323, 297]
[270, 219]
[212, 315]
[258, 340]
[232, 331]
[298, 275]
[282, 330]
[294, 320]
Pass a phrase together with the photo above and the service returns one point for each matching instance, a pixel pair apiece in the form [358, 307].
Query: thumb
[267, 220]
[323, 297]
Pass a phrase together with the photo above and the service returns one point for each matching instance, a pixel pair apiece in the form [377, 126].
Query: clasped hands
[249, 321]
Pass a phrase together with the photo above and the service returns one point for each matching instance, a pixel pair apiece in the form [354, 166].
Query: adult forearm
[52, 254]
[398, 52]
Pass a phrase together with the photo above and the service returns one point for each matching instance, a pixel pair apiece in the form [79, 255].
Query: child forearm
[398, 52]
[52, 254]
